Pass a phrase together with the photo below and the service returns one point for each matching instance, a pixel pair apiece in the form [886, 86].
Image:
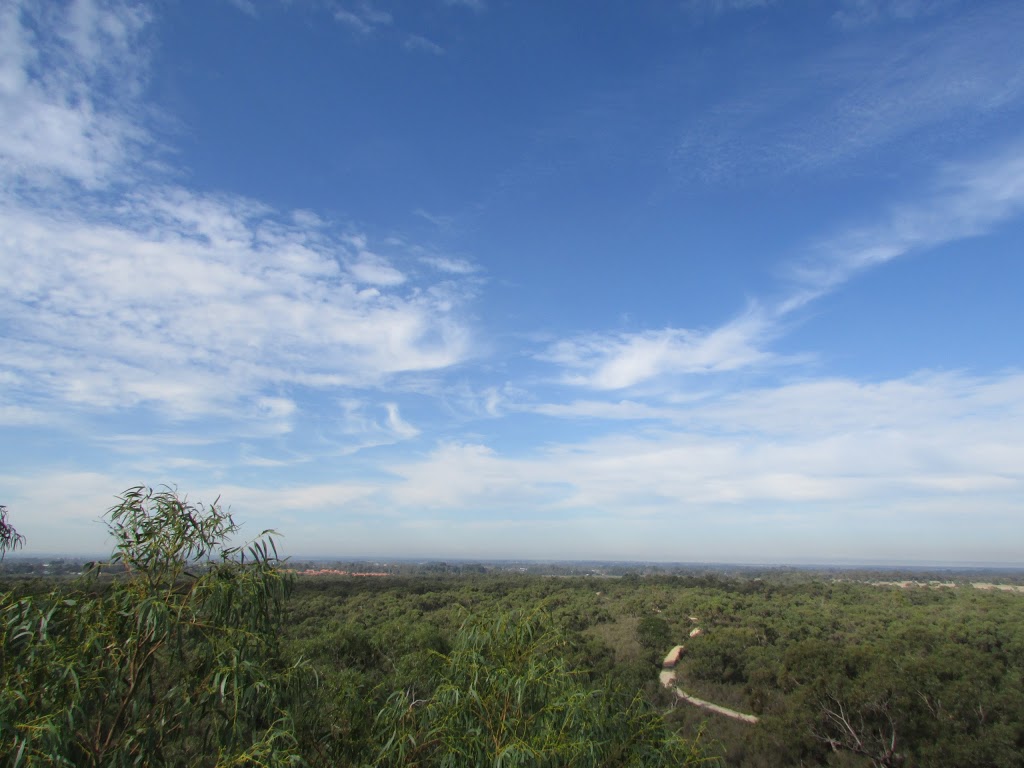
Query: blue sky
[717, 280]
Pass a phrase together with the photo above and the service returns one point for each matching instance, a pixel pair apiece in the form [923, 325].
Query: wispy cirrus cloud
[715, 7]
[368, 267]
[861, 98]
[617, 361]
[450, 265]
[364, 18]
[964, 200]
[422, 44]
[245, 6]
[859, 13]
[365, 425]
[619, 410]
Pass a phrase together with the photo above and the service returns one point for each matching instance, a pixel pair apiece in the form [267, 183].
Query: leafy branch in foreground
[10, 539]
[175, 662]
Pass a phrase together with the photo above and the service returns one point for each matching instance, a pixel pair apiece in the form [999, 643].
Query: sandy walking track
[668, 680]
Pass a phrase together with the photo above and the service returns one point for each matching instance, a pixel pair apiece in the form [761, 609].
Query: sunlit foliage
[172, 660]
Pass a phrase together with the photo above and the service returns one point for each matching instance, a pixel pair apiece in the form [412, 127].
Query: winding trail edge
[668, 680]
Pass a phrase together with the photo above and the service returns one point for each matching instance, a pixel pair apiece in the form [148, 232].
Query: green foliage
[175, 662]
[654, 633]
[505, 696]
[862, 674]
[944, 664]
[721, 656]
[10, 539]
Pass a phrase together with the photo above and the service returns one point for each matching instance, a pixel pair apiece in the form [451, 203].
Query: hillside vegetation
[188, 649]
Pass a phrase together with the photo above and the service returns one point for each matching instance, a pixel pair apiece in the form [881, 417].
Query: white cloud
[148, 295]
[23, 416]
[362, 427]
[100, 31]
[263, 504]
[622, 410]
[65, 91]
[858, 13]
[397, 424]
[808, 459]
[968, 200]
[839, 441]
[375, 270]
[461, 475]
[276, 407]
[441, 222]
[245, 6]
[625, 360]
[364, 17]
[450, 265]
[195, 304]
[420, 43]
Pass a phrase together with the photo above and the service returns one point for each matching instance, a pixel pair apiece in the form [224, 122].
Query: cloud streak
[624, 360]
[423, 45]
[363, 18]
[966, 200]
[864, 98]
[858, 13]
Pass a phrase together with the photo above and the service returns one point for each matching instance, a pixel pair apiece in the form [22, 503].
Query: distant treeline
[22, 564]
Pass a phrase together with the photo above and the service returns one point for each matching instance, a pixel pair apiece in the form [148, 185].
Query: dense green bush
[180, 650]
[176, 661]
[505, 696]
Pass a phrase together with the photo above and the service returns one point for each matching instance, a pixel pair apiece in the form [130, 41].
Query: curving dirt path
[668, 680]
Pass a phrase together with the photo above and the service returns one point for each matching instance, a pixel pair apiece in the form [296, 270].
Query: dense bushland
[840, 673]
[187, 648]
